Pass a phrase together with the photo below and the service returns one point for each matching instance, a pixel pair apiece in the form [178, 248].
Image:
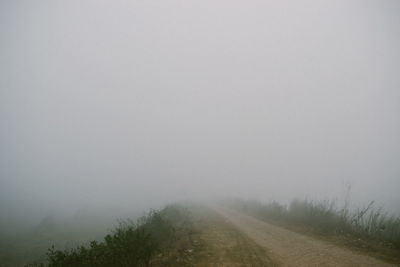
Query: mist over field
[114, 107]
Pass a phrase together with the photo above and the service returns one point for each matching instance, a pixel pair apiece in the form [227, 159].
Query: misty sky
[109, 103]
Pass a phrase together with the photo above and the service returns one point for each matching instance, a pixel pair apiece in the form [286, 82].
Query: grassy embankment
[154, 240]
[367, 230]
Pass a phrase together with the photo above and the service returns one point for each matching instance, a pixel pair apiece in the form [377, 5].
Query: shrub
[130, 244]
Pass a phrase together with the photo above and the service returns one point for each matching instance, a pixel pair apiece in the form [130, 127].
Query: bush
[320, 215]
[130, 244]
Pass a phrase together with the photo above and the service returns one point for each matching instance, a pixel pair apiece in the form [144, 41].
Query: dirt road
[223, 244]
[288, 248]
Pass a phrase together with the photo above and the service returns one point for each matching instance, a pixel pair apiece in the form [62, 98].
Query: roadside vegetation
[367, 228]
[150, 241]
[326, 217]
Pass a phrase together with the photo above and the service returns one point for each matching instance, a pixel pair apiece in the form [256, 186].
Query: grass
[325, 217]
[131, 244]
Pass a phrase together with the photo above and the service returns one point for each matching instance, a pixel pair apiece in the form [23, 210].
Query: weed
[325, 217]
[130, 244]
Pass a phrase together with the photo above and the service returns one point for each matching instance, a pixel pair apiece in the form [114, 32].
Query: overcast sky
[147, 101]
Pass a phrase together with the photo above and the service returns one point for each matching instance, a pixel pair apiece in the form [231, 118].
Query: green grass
[130, 244]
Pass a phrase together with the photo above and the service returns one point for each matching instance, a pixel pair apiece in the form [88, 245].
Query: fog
[115, 106]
